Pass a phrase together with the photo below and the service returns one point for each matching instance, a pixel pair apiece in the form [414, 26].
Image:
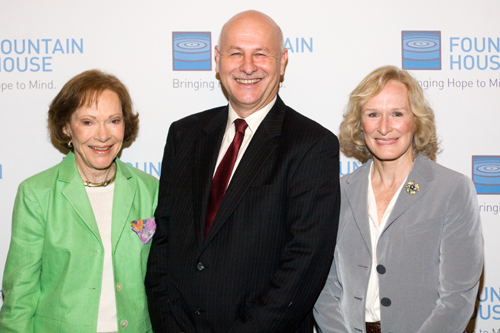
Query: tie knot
[240, 125]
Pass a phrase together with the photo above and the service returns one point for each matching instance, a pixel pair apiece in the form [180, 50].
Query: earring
[70, 145]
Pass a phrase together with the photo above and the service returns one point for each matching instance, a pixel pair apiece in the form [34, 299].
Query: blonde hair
[351, 137]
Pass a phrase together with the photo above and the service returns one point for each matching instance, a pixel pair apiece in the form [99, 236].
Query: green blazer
[53, 273]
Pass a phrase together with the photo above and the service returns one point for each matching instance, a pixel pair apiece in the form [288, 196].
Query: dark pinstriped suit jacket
[270, 247]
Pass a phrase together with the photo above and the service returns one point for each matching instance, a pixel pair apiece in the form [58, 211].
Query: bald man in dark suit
[249, 201]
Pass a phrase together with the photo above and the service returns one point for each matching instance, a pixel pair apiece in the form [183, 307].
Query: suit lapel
[206, 150]
[356, 190]
[75, 193]
[421, 173]
[123, 198]
[261, 146]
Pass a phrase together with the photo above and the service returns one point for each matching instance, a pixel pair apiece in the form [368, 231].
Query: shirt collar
[254, 120]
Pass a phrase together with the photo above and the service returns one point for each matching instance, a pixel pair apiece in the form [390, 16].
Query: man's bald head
[253, 17]
[250, 60]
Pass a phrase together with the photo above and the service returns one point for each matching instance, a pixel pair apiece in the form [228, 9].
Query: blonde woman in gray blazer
[409, 247]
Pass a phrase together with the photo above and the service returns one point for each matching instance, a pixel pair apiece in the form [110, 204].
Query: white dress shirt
[372, 306]
[253, 121]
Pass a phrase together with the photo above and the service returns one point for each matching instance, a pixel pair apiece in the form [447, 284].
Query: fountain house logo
[421, 49]
[486, 174]
[153, 168]
[35, 55]
[489, 307]
[192, 51]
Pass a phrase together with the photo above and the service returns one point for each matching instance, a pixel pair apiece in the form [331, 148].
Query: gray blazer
[430, 256]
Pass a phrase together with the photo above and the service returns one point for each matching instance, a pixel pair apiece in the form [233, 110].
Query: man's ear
[284, 58]
[217, 56]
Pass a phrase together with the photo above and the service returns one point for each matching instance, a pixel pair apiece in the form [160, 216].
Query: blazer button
[385, 301]
[123, 324]
[119, 286]
[200, 266]
[381, 269]
[197, 311]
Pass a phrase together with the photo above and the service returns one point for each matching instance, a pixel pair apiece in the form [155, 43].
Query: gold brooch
[412, 188]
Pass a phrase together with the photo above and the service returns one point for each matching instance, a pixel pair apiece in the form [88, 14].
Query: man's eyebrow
[241, 48]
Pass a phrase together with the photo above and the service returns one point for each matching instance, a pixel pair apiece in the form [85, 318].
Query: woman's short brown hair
[351, 137]
[85, 90]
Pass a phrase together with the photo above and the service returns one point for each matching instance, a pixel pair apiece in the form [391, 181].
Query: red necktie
[223, 174]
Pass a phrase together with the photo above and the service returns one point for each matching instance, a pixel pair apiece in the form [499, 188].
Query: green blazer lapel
[123, 198]
[75, 193]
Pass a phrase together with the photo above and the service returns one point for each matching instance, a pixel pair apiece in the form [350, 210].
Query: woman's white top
[372, 307]
[101, 200]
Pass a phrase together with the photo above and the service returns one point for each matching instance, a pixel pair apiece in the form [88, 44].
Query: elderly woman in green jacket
[81, 229]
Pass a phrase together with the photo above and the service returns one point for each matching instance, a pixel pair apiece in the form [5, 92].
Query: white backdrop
[332, 46]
